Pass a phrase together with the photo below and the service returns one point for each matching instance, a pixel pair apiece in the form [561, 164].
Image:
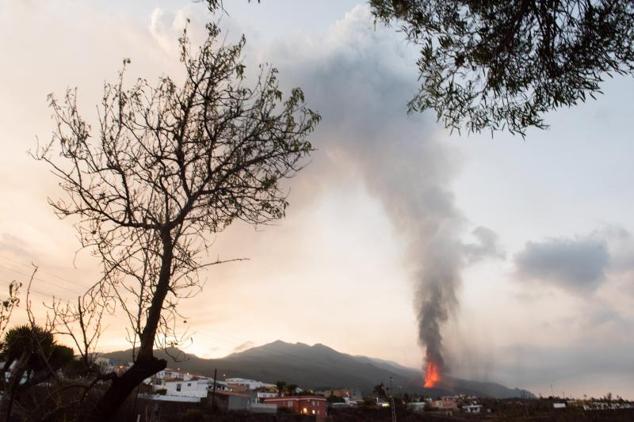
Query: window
[189, 384]
[178, 386]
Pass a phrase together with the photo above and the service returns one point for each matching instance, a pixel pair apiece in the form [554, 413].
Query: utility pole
[393, 404]
[136, 399]
[213, 392]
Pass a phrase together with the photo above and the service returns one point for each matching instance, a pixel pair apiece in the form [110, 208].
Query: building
[112, 365]
[105, 363]
[303, 405]
[169, 374]
[417, 406]
[234, 401]
[194, 387]
[472, 408]
[446, 403]
[172, 399]
[244, 384]
[382, 402]
[261, 395]
[336, 392]
[191, 388]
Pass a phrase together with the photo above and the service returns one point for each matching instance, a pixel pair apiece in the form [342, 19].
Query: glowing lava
[432, 375]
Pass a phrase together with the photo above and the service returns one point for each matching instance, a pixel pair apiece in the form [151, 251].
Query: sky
[545, 297]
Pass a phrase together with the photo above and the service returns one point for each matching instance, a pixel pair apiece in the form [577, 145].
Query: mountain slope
[320, 366]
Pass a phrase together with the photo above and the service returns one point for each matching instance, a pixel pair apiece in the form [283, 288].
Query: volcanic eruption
[406, 167]
[432, 375]
[438, 280]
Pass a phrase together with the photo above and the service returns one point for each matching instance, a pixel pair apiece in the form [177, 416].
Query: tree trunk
[3, 374]
[145, 364]
[122, 386]
[11, 388]
[162, 288]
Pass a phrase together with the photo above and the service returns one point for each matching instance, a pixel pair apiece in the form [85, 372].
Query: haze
[547, 292]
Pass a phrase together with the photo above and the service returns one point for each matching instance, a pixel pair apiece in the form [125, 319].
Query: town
[174, 394]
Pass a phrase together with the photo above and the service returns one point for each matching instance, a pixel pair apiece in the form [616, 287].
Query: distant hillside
[320, 366]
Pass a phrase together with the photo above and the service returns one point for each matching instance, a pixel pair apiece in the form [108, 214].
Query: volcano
[321, 367]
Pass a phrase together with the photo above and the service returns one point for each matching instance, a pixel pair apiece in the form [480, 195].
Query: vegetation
[8, 305]
[502, 64]
[31, 356]
[169, 166]
[281, 386]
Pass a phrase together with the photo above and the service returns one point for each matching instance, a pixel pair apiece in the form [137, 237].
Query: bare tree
[170, 165]
[8, 304]
[81, 321]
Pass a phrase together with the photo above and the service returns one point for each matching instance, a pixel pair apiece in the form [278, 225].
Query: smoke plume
[417, 198]
[360, 78]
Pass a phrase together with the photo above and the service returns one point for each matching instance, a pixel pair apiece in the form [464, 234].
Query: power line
[73, 292]
[36, 291]
[49, 282]
[40, 270]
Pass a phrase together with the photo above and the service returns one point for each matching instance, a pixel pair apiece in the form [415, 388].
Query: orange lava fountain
[432, 375]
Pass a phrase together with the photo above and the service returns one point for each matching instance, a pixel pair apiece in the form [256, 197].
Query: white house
[261, 395]
[220, 385]
[189, 388]
[105, 363]
[177, 399]
[247, 383]
[472, 408]
[167, 374]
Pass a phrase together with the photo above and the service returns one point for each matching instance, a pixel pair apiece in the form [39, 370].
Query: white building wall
[198, 388]
[251, 384]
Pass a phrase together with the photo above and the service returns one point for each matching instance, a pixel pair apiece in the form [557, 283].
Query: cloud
[14, 245]
[578, 368]
[166, 27]
[486, 245]
[576, 264]
[620, 244]
[580, 263]
[243, 346]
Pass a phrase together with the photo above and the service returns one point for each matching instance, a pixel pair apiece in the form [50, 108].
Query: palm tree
[280, 387]
[292, 389]
[28, 350]
[25, 340]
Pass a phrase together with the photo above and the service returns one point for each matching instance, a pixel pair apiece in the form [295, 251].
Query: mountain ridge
[321, 367]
